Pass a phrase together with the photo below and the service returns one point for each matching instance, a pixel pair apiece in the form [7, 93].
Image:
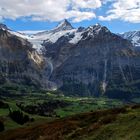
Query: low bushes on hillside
[3, 105]
[1, 126]
[19, 117]
[44, 109]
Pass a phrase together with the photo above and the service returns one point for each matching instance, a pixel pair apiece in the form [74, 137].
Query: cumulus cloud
[92, 4]
[126, 10]
[76, 10]
[49, 10]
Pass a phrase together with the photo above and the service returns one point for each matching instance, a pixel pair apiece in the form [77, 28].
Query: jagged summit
[64, 25]
[97, 24]
[3, 26]
[94, 31]
[98, 27]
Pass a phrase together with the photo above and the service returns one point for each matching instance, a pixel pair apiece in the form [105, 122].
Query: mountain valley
[69, 83]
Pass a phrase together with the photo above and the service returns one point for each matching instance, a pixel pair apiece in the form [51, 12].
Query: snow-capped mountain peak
[133, 36]
[3, 26]
[60, 28]
[64, 25]
[97, 28]
[64, 29]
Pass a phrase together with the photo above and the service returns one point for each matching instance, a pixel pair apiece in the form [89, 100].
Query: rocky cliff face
[19, 62]
[84, 61]
[96, 63]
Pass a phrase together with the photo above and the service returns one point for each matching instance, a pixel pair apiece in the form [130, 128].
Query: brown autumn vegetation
[72, 127]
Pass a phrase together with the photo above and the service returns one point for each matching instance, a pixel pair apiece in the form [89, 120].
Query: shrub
[19, 117]
[1, 126]
[3, 105]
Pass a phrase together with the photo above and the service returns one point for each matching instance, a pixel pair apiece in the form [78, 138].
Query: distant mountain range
[89, 61]
[133, 36]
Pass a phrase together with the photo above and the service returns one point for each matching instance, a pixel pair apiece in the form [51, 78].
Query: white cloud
[76, 10]
[92, 4]
[126, 10]
[51, 10]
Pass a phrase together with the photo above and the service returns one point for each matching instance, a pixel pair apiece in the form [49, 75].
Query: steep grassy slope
[114, 124]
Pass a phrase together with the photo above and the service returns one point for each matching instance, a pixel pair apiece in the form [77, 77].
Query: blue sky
[118, 15]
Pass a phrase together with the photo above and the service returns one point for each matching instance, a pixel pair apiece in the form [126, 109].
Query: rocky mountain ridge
[133, 36]
[20, 63]
[85, 61]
